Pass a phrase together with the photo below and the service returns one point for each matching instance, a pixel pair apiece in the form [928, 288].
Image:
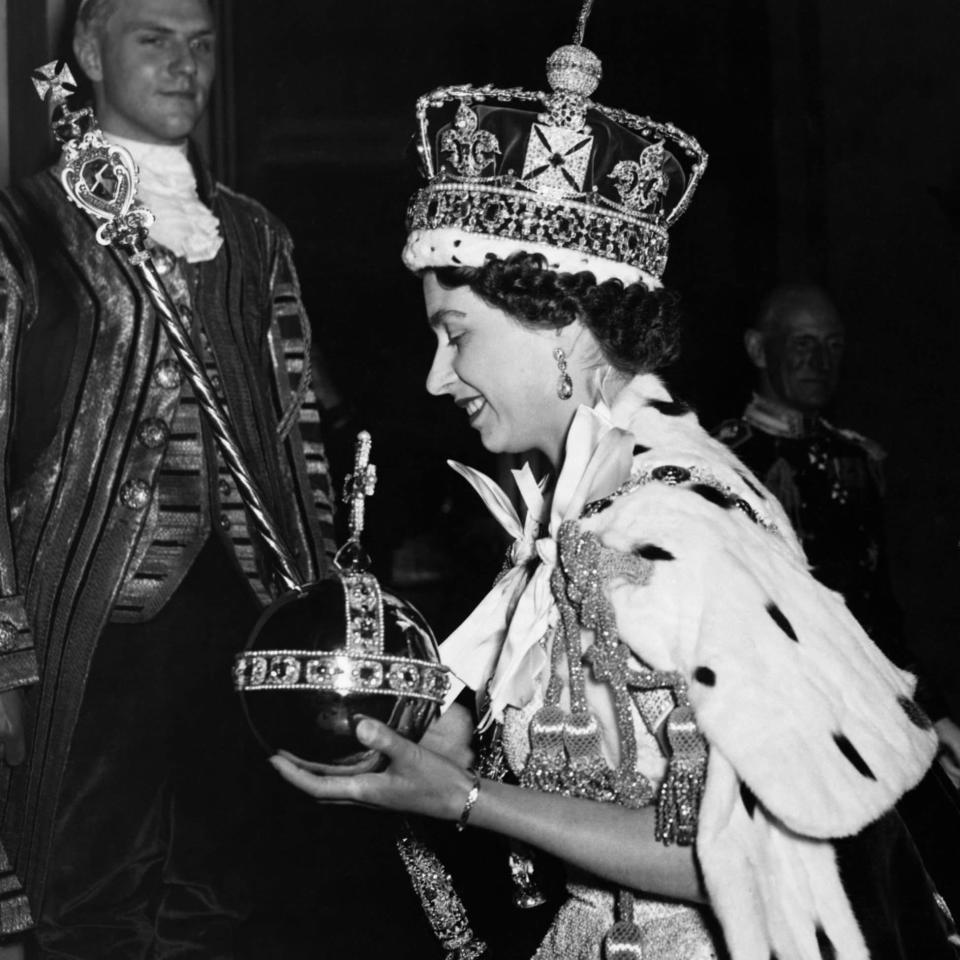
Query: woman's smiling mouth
[473, 407]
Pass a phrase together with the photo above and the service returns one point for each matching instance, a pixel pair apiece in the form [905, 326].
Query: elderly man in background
[830, 482]
[128, 572]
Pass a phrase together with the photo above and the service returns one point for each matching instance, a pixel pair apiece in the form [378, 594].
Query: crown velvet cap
[589, 187]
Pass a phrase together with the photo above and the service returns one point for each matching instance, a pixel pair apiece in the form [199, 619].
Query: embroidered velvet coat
[79, 351]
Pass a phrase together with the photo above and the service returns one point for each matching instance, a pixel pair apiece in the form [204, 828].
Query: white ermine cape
[812, 732]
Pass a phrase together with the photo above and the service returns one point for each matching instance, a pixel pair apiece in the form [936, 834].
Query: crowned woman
[701, 732]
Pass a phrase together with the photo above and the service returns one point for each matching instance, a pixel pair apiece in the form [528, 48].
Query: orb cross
[360, 484]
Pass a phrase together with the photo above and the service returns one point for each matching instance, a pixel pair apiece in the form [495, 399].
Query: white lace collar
[168, 186]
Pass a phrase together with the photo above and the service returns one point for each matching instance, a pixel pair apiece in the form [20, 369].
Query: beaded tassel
[547, 755]
[581, 740]
[678, 803]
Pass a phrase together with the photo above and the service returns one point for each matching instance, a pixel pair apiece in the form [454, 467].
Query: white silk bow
[499, 641]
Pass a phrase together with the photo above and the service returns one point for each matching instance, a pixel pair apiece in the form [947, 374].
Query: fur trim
[450, 247]
[812, 731]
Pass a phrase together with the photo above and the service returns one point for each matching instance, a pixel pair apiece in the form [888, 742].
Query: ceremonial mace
[362, 650]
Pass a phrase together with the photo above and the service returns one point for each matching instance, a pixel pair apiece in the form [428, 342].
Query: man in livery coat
[128, 571]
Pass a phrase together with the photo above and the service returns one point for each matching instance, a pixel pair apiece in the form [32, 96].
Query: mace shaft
[223, 430]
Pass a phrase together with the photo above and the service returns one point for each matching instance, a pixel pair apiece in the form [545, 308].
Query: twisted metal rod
[224, 433]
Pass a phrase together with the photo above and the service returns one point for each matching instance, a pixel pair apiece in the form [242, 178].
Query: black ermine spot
[705, 676]
[650, 551]
[670, 408]
[853, 755]
[713, 495]
[781, 621]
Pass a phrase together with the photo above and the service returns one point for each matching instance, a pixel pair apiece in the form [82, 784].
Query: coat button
[8, 635]
[167, 374]
[225, 522]
[224, 488]
[153, 432]
[135, 494]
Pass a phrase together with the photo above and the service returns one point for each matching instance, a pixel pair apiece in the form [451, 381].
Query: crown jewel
[574, 69]
[591, 187]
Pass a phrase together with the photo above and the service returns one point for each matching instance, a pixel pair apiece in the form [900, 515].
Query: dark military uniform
[830, 483]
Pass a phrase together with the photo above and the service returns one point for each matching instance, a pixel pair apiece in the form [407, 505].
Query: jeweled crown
[591, 187]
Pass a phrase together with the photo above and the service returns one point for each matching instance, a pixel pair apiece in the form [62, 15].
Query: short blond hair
[93, 14]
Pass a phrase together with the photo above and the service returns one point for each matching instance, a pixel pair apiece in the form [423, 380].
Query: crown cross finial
[471, 150]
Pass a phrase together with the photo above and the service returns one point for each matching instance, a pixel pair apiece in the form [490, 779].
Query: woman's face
[499, 372]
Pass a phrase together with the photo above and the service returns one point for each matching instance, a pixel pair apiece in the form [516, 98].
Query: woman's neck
[604, 384]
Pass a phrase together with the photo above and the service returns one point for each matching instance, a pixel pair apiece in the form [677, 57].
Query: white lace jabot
[168, 186]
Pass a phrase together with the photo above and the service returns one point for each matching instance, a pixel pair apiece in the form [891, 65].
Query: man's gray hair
[790, 298]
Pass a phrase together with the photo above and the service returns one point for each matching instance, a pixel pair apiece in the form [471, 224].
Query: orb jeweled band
[473, 794]
[339, 672]
[359, 667]
[363, 610]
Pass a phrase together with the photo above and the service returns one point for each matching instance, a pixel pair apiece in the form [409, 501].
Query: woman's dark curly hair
[637, 329]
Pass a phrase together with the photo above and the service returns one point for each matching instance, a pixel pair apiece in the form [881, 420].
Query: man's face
[803, 353]
[152, 64]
